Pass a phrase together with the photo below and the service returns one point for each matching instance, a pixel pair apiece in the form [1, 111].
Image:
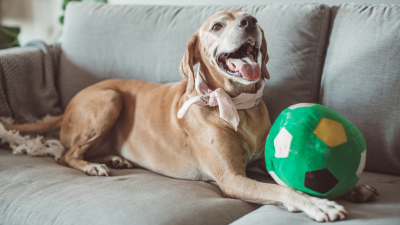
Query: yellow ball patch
[330, 132]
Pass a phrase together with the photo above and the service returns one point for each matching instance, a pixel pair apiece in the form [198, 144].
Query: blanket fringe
[31, 146]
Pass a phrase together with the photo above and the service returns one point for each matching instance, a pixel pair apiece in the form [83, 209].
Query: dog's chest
[253, 154]
[253, 132]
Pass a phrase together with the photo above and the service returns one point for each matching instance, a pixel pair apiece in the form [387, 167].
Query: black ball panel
[320, 181]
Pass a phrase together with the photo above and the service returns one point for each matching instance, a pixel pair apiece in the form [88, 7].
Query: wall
[38, 19]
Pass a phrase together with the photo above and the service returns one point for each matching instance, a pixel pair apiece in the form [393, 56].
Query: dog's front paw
[323, 210]
[94, 169]
[320, 210]
[120, 163]
[361, 194]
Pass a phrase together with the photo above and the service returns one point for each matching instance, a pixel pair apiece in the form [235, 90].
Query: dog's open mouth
[242, 62]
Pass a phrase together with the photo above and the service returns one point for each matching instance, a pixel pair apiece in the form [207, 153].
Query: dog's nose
[247, 21]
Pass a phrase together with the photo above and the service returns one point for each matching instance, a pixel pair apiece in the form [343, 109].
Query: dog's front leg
[235, 184]
[361, 194]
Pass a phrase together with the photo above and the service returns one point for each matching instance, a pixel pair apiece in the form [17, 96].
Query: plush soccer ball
[316, 150]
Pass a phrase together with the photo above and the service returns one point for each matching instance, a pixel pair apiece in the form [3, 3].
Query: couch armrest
[27, 82]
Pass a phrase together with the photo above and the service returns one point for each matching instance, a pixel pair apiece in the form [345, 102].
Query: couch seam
[315, 56]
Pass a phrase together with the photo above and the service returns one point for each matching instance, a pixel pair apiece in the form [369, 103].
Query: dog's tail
[40, 127]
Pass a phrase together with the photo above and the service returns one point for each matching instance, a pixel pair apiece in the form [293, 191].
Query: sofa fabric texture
[361, 78]
[28, 89]
[148, 42]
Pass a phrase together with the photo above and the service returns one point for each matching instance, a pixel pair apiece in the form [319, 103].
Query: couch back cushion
[361, 78]
[104, 41]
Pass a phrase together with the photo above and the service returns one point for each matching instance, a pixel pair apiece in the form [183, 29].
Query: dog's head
[227, 47]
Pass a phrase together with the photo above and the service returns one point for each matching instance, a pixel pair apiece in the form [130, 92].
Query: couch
[346, 57]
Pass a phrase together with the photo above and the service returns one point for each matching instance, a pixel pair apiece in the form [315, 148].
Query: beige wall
[38, 19]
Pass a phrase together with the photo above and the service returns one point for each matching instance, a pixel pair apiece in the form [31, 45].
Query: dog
[197, 129]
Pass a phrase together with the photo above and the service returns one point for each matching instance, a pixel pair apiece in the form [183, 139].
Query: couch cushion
[384, 210]
[147, 42]
[36, 190]
[361, 78]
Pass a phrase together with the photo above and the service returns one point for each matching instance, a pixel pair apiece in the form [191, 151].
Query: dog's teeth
[251, 42]
[231, 65]
[251, 57]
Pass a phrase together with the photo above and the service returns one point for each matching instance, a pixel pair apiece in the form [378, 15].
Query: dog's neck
[216, 80]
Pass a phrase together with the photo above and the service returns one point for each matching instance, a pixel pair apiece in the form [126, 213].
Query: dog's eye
[217, 26]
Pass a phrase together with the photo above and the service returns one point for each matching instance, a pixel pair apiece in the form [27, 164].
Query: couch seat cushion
[36, 190]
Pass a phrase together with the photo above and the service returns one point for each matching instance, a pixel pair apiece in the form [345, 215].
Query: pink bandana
[227, 106]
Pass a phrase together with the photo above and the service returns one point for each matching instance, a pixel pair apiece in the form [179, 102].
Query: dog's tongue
[248, 68]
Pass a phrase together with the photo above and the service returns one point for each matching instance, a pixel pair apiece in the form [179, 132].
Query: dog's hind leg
[74, 159]
[116, 162]
[87, 120]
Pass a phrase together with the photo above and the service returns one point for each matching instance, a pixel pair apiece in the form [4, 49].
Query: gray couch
[346, 57]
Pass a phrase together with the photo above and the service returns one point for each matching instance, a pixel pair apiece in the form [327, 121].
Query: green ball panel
[342, 161]
[342, 187]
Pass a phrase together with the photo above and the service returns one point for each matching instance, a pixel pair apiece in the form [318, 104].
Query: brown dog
[126, 123]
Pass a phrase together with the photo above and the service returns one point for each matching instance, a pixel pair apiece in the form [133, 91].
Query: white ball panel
[282, 143]
[301, 105]
[362, 163]
[276, 178]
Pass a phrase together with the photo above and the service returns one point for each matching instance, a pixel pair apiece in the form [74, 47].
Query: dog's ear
[188, 61]
[264, 56]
